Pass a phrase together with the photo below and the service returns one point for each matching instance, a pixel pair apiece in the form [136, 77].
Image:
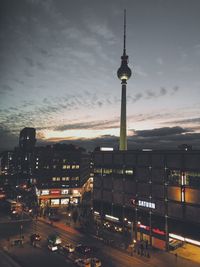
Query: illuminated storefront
[58, 197]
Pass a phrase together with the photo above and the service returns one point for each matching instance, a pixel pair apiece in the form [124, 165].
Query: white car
[52, 247]
[83, 262]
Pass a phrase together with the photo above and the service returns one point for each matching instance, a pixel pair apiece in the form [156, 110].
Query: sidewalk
[60, 225]
[190, 252]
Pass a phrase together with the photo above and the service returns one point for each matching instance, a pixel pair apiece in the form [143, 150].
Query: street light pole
[150, 227]
[135, 226]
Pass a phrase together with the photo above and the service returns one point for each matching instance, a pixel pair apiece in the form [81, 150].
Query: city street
[27, 256]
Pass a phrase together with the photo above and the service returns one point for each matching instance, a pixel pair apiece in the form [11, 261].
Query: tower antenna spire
[124, 32]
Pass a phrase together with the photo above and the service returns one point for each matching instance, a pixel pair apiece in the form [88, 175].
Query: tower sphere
[124, 72]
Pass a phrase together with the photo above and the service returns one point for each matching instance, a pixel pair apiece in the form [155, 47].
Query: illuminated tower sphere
[123, 73]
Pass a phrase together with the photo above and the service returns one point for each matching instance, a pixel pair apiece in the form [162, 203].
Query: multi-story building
[7, 166]
[154, 193]
[24, 155]
[27, 139]
[61, 174]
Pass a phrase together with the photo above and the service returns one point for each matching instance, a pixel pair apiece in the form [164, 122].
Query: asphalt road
[27, 256]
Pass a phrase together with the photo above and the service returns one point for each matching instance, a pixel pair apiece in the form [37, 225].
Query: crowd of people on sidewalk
[141, 248]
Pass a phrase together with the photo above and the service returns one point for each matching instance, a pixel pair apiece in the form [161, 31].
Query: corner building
[61, 173]
[154, 194]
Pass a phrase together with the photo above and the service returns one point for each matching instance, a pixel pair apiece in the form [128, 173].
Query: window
[118, 171]
[55, 201]
[128, 171]
[77, 166]
[75, 178]
[97, 170]
[174, 177]
[107, 171]
[192, 179]
[56, 179]
[64, 166]
[64, 201]
[65, 178]
[73, 166]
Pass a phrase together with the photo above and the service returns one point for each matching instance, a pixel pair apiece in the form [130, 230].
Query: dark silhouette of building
[27, 139]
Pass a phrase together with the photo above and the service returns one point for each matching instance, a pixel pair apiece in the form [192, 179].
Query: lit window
[58, 179]
[53, 178]
[73, 166]
[75, 178]
[64, 166]
[97, 170]
[77, 166]
[68, 166]
[107, 171]
[65, 178]
[54, 166]
[129, 171]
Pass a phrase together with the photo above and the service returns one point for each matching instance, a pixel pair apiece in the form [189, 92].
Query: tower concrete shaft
[123, 134]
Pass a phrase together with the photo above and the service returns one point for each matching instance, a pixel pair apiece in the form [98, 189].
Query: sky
[58, 71]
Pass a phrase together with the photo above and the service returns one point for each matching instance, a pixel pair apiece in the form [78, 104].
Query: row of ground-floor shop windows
[58, 201]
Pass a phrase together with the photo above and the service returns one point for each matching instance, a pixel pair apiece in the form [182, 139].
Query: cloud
[106, 124]
[171, 141]
[5, 88]
[165, 131]
[139, 71]
[186, 121]
[159, 60]
[8, 140]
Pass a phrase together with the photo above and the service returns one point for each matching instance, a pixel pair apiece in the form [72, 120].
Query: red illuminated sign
[154, 230]
[55, 192]
[158, 231]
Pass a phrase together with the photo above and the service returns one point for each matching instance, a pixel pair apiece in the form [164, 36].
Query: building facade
[156, 193]
[61, 174]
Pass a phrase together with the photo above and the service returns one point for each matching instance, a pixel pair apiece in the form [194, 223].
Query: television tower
[123, 73]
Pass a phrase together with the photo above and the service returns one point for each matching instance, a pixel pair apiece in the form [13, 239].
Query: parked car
[83, 262]
[52, 247]
[54, 239]
[65, 249]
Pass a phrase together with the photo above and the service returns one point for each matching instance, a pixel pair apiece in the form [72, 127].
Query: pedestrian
[142, 248]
